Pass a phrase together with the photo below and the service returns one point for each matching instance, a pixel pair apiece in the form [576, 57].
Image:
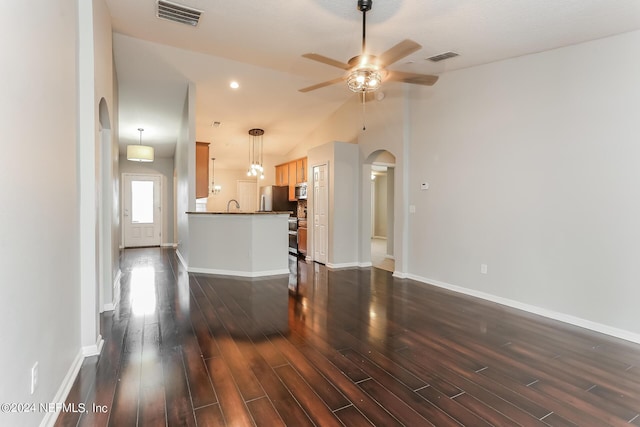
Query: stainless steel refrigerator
[276, 198]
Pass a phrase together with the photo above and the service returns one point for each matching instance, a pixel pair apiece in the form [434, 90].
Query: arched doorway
[379, 212]
[106, 200]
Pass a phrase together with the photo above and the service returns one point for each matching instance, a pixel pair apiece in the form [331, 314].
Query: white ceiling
[260, 43]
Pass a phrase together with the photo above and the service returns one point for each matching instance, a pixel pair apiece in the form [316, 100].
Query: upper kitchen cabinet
[292, 173]
[282, 174]
[202, 169]
[301, 170]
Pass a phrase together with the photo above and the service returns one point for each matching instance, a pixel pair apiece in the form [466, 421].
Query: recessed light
[234, 85]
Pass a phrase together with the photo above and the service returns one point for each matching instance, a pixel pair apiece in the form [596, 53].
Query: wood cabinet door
[292, 181]
[278, 175]
[302, 240]
[301, 170]
[202, 169]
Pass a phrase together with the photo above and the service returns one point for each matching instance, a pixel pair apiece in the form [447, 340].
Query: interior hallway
[352, 347]
[379, 257]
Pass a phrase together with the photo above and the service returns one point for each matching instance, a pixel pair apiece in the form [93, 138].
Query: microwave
[301, 191]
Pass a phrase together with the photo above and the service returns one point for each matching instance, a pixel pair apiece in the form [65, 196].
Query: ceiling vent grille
[443, 56]
[178, 13]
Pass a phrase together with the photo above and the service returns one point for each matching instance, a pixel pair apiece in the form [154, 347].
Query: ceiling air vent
[178, 13]
[442, 56]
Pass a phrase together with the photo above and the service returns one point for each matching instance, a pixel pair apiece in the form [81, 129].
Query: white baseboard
[110, 306]
[63, 391]
[401, 275]
[239, 273]
[562, 317]
[182, 261]
[168, 245]
[94, 349]
[343, 265]
[365, 264]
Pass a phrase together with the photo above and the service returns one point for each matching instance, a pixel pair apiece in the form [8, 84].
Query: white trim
[63, 391]
[238, 273]
[555, 315]
[182, 261]
[365, 264]
[94, 349]
[401, 275]
[343, 265]
[168, 245]
[110, 306]
[387, 256]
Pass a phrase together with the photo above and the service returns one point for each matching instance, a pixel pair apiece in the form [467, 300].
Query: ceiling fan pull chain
[364, 115]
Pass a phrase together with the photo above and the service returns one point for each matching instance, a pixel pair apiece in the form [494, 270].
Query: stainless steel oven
[293, 235]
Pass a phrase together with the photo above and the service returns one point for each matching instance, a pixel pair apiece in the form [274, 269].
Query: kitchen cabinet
[292, 173]
[282, 174]
[302, 236]
[292, 181]
[301, 170]
[202, 169]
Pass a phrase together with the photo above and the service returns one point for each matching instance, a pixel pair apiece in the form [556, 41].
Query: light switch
[412, 208]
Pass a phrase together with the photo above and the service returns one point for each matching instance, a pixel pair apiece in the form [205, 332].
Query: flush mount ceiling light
[140, 153]
[234, 85]
[255, 153]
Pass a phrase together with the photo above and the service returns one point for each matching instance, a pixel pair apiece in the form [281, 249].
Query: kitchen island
[248, 244]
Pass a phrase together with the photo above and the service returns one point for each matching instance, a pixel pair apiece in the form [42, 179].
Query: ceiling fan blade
[399, 51]
[325, 60]
[413, 78]
[323, 84]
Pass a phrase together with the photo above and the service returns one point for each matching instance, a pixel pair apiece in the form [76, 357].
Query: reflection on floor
[379, 255]
[349, 347]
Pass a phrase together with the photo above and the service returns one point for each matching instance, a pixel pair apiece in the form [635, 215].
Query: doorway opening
[382, 210]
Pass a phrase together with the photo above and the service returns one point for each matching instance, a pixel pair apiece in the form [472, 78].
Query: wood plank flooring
[352, 347]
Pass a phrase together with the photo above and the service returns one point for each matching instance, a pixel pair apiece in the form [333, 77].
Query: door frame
[123, 181]
[311, 245]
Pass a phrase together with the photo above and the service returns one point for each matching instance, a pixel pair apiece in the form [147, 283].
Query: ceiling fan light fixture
[364, 79]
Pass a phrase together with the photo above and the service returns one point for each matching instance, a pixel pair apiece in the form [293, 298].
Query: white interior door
[320, 209]
[142, 210]
[247, 196]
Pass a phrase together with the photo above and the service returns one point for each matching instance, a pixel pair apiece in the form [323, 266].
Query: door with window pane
[141, 210]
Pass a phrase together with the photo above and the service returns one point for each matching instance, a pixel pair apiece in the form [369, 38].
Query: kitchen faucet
[236, 202]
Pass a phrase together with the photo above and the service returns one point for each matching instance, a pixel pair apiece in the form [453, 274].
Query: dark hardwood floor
[353, 347]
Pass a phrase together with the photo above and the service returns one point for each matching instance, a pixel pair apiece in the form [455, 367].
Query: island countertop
[242, 213]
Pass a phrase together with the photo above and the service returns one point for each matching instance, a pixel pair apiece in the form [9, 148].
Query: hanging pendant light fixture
[140, 153]
[255, 153]
[215, 189]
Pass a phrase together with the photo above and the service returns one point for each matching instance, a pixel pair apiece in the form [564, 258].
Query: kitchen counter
[248, 244]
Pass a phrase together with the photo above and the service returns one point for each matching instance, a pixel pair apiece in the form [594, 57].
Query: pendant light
[215, 189]
[140, 153]
[255, 153]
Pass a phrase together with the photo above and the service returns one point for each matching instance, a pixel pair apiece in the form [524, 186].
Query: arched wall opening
[378, 210]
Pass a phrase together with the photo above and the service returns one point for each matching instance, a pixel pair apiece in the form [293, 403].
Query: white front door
[141, 211]
[320, 209]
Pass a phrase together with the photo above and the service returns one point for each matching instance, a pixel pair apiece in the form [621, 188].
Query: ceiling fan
[365, 73]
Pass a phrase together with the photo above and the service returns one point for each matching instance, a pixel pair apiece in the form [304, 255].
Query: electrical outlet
[412, 209]
[483, 268]
[34, 377]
